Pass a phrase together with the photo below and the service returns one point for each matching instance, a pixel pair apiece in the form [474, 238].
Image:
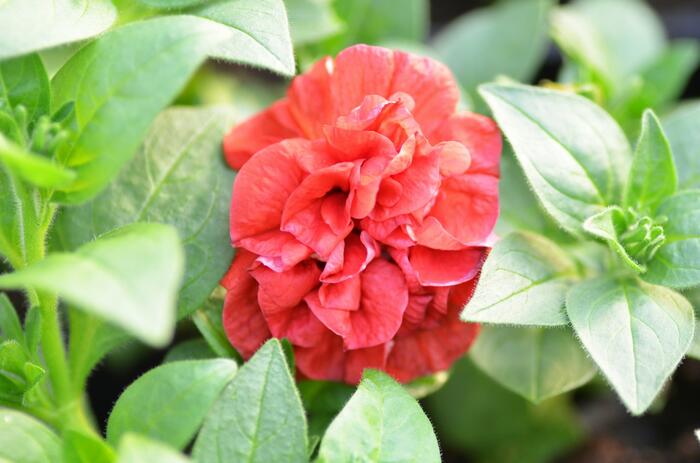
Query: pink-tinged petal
[324, 360]
[243, 321]
[350, 258]
[430, 84]
[341, 296]
[277, 250]
[287, 289]
[390, 192]
[351, 145]
[364, 116]
[303, 215]
[481, 137]
[454, 158]
[400, 256]
[336, 320]
[445, 268]
[464, 213]
[358, 360]
[272, 125]
[390, 231]
[310, 100]
[333, 212]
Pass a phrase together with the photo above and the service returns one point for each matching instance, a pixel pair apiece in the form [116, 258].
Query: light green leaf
[380, 423]
[31, 25]
[170, 402]
[652, 177]
[258, 418]
[605, 225]
[119, 83]
[572, 152]
[636, 333]
[682, 128]
[179, 168]
[129, 277]
[25, 440]
[509, 38]
[10, 327]
[257, 33]
[33, 168]
[79, 447]
[312, 20]
[173, 4]
[537, 363]
[192, 349]
[677, 264]
[138, 449]
[23, 81]
[523, 282]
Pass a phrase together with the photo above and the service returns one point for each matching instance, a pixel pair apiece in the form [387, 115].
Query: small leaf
[31, 25]
[138, 449]
[380, 423]
[524, 282]
[129, 277]
[605, 225]
[33, 168]
[79, 447]
[572, 152]
[652, 176]
[26, 440]
[514, 32]
[677, 264]
[683, 131]
[636, 333]
[23, 81]
[10, 327]
[170, 402]
[537, 363]
[258, 417]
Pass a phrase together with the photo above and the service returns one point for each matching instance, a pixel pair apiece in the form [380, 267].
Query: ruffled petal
[350, 258]
[322, 361]
[310, 100]
[445, 268]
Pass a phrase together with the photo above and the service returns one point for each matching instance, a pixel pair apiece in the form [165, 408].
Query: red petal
[350, 258]
[454, 158]
[336, 320]
[358, 360]
[341, 296]
[445, 268]
[310, 99]
[324, 360]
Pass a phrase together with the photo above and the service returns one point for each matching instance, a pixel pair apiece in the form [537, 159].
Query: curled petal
[350, 258]
[454, 158]
[434, 267]
[481, 137]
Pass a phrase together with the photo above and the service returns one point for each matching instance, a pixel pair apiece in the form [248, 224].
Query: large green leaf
[25, 440]
[652, 177]
[138, 449]
[677, 264]
[573, 153]
[683, 131]
[508, 38]
[31, 25]
[129, 277]
[170, 402]
[23, 81]
[636, 333]
[523, 282]
[259, 417]
[179, 168]
[380, 423]
[537, 363]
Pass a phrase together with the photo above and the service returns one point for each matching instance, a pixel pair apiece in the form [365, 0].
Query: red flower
[362, 211]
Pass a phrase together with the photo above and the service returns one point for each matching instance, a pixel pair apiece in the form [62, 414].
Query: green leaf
[380, 423]
[574, 154]
[193, 349]
[652, 176]
[10, 327]
[312, 20]
[23, 81]
[257, 33]
[31, 25]
[513, 32]
[180, 167]
[524, 282]
[209, 322]
[119, 83]
[173, 4]
[79, 447]
[537, 363]
[683, 131]
[375, 21]
[605, 225]
[19, 376]
[138, 449]
[33, 168]
[259, 417]
[32, 330]
[636, 333]
[129, 277]
[170, 402]
[677, 264]
[25, 440]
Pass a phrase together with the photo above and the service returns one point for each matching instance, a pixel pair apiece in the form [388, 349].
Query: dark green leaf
[537, 363]
[23, 81]
[380, 423]
[10, 327]
[79, 447]
[573, 153]
[677, 264]
[524, 282]
[33, 168]
[31, 25]
[179, 168]
[25, 440]
[259, 417]
[138, 449]
[508, 38]
[652, 177]
[170, 402]
[683, 131]
[636, 333]
[129, 277]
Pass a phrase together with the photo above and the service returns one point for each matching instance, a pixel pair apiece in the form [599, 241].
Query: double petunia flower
[362, 211]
